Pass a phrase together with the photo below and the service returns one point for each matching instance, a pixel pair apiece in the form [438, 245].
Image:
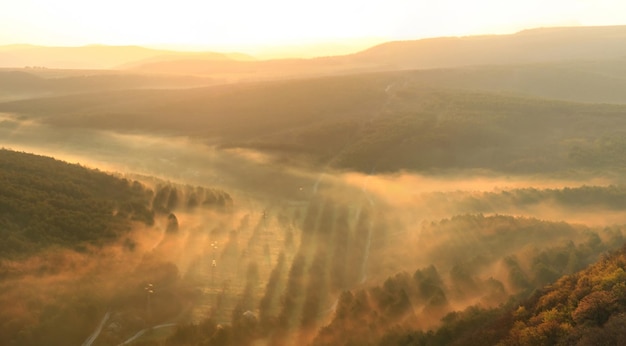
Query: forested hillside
[73, 244]
[584, 308]
[370, 123]
[487, 263]
[45, 202]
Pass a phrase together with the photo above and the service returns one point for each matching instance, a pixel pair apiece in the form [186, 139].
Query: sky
[250, 25]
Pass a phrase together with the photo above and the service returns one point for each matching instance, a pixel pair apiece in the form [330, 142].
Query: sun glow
[247, 25]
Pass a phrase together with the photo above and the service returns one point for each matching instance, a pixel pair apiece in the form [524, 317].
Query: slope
[76, 243]
[370, 122]
[48, 203]
[529, 46]
[585, 308]
[45, 203]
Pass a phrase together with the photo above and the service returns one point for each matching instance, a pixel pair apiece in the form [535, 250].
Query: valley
[369, 199]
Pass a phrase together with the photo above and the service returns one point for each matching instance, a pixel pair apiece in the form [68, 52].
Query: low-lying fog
[249, 174]
[309, 233]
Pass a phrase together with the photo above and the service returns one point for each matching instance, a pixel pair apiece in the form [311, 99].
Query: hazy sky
[243, 24]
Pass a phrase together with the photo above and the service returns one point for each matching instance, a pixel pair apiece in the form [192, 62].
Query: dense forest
[585, 308]
[44, 202]
[57, 221]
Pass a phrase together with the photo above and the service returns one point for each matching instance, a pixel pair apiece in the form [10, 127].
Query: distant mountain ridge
[526, 47]
[542, 45]
[95, 56]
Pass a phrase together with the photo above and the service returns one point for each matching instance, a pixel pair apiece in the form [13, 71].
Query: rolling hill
[94, 56]
[29, 83]
[70, 245]
[529, 46]
[545, 45]
[372, 122]
[584, 308]
[48, 203]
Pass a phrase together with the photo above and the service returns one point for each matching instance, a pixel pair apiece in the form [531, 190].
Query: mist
[292, 247]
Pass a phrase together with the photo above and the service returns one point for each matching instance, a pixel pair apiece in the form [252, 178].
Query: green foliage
[45, 202]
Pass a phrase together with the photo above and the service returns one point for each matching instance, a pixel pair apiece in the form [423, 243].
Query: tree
[595, 308]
